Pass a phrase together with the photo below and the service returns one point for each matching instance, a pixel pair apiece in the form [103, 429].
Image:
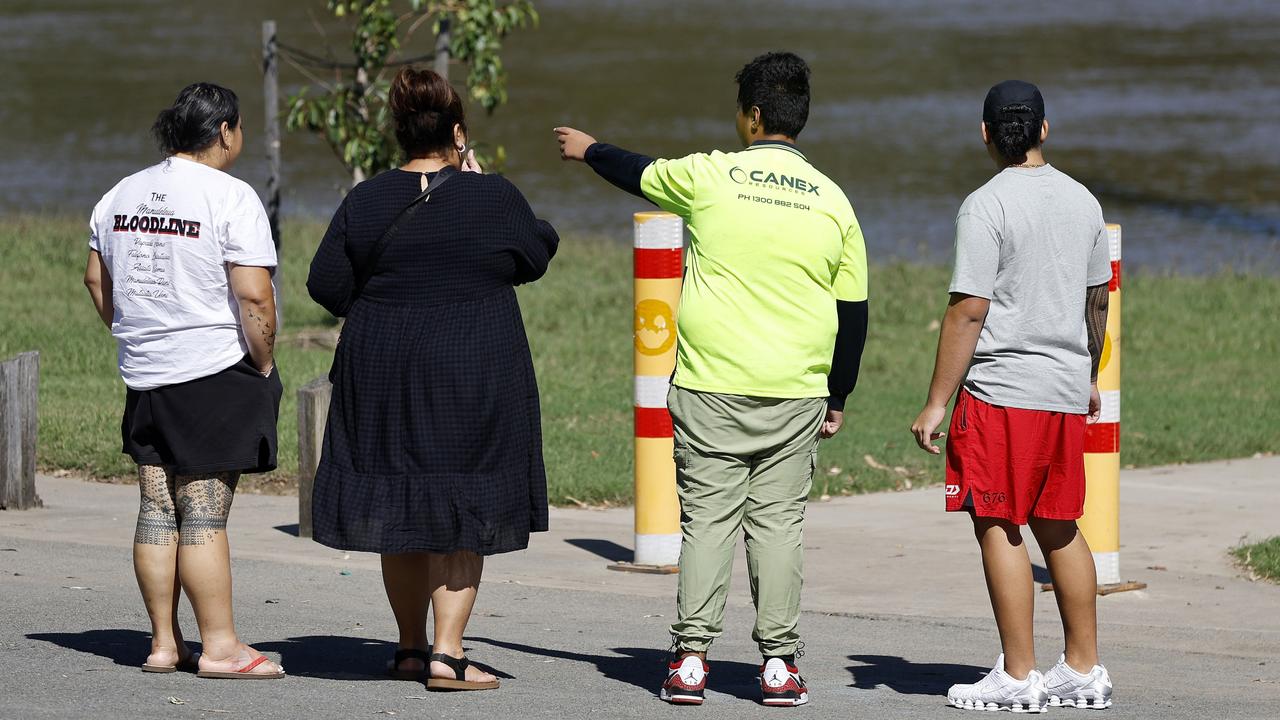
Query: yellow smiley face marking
[655, 327]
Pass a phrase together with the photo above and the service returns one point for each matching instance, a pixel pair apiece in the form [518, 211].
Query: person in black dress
[432, 455]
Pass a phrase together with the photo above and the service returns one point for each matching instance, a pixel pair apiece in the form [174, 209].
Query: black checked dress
[434, 439]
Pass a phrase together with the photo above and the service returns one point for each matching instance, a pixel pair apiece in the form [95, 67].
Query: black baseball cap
[1013, 100]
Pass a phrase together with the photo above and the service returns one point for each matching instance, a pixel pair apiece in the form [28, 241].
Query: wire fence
[310, 59]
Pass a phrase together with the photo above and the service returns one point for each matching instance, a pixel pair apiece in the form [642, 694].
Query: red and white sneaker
[781, 684]
[686, 681]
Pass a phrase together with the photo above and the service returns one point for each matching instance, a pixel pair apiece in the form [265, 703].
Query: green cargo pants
[742, 464]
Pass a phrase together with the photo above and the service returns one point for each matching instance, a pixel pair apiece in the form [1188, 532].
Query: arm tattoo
[157, 522]
[1095, 321]
[264, 326]
[204, 502]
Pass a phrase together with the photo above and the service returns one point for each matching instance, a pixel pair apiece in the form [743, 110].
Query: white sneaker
[1001, 691]
[1068, 688]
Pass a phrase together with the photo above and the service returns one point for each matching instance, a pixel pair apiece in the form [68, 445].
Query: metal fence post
[659, 244]
[1101, 522]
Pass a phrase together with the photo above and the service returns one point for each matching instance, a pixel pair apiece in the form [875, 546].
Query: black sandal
[459, 668]
[411, 654]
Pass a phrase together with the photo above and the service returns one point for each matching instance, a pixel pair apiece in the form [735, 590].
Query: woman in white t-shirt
[180, 263]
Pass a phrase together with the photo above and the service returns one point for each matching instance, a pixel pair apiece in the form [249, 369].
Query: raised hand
[573, 143]
[469, 163]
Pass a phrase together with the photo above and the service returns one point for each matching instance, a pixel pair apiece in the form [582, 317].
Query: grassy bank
[1261, 559]
[1199, 364]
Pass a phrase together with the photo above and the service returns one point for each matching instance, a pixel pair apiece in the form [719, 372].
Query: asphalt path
[570, 639]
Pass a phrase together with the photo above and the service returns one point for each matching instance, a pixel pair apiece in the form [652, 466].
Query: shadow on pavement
[335, 657]
[607, 549]
[332, 657]
[123, 647]
[316, 656]
[908, 678]
[646, 668]
[1040, 574]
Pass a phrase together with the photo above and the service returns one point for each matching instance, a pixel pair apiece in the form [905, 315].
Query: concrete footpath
[895, 611]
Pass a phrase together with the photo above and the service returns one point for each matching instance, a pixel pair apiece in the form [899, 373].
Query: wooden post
[271, 136]
[271, 111]
[313, 412]
[442, 50]
[359, 89]
[19, 389]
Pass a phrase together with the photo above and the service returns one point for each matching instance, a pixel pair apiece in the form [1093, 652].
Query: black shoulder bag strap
[371, 264]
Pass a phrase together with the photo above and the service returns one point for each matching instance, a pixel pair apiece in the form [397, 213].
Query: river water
[1167, 110]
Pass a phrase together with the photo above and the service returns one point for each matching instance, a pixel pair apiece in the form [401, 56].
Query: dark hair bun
[194, 122]
[1014, 135]
[425, 107]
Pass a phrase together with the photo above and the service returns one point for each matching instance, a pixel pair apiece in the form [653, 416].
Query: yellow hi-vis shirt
[773, 244]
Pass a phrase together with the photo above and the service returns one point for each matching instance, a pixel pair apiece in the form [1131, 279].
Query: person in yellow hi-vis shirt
[771, 326]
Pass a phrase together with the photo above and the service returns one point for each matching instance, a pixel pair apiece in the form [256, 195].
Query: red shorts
[1012, 463]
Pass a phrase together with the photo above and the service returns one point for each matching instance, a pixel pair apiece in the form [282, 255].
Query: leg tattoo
[204, 502]
[157, 523]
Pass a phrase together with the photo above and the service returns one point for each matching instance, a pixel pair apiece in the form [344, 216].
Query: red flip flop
[244, 673]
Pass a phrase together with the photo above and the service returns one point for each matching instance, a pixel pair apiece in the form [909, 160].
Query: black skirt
[225, 422]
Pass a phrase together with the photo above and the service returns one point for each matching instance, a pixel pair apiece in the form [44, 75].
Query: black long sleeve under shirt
[851, 339]
[620, 167]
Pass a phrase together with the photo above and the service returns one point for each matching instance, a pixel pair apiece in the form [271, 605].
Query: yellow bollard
[659, 245]
[1101, 522]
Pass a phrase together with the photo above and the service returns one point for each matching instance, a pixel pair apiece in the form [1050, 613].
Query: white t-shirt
[167, 234]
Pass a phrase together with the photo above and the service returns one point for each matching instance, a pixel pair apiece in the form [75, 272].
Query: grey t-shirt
[1031, 240]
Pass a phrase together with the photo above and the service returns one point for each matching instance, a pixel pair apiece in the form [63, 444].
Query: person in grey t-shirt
[1030, 241]
[1024, 332]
